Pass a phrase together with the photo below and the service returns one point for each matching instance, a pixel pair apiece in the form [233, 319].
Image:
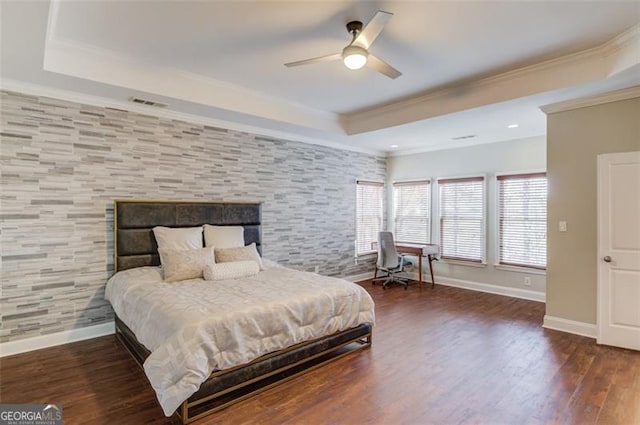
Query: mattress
[195, 327]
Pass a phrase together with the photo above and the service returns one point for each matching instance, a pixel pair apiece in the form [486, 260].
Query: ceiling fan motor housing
[354, 26]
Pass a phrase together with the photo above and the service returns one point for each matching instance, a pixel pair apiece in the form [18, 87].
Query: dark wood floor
[439, 356]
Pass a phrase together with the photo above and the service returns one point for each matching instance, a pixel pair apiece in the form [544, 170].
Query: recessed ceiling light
[513, 126]
[394, 146]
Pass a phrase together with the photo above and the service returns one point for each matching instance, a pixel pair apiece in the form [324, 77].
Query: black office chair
[389, 262]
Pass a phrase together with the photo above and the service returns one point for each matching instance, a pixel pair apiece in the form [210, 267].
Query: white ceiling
[468, 67]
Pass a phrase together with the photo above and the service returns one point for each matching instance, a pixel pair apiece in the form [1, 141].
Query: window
[522, 220]
[369, 209]
[462, 223]
[412, 214]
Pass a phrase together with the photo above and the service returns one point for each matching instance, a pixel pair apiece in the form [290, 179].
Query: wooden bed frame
[135, 246]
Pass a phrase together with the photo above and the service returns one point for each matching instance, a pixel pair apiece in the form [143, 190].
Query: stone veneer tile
[63, 164]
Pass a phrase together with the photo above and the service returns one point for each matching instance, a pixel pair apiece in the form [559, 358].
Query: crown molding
[620, 41]
[454, 88]
[99, 101]
[599, 62]
[614, 96]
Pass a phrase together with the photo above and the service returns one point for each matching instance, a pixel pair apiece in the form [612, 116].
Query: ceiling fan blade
[373, 29]
[382, 67]
[326, 58]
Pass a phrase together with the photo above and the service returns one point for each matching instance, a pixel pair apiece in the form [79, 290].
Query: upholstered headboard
[135, 244]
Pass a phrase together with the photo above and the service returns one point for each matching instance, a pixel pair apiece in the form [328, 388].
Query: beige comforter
[194, 327]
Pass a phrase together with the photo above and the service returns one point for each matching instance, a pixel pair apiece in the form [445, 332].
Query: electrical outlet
[317, 269]
[527, 281]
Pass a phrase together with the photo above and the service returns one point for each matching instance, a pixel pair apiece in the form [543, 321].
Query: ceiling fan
[356, 54]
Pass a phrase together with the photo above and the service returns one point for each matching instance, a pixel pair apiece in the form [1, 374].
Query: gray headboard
[135, 245]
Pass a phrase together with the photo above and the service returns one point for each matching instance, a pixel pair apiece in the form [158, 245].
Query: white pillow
[182, 265]
[178, 238]
[231, 270]
[223, 236]
[249, 252]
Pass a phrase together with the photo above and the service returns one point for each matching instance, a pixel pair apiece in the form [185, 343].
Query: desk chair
[389, 261]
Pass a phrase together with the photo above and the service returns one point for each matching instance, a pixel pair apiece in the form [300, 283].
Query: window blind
[522, 220]
[412, 211]
[369, 210]
[462, 222]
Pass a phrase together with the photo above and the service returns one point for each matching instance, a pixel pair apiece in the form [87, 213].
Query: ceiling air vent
[468, 136]
[146, 102]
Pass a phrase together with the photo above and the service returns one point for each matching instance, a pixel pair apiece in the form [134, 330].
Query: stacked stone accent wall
[63, 163]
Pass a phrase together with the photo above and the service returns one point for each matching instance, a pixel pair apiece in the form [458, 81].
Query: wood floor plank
[622, 404]
[439, 356]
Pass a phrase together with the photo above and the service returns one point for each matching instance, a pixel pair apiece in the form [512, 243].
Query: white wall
[489, 159]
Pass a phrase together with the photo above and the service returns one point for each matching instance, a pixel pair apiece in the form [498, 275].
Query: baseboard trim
[59, 338]
[487, 287]
[466, 284]
[359, 277]
[570, 326]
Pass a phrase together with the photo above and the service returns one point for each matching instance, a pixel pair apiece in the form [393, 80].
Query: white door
[619, 249]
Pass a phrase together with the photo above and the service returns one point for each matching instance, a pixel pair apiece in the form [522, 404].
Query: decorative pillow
[231, 270]
[249, 252]
[178, 238]
[224, 236]
[182, 265]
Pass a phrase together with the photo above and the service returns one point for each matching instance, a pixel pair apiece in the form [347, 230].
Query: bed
[264, 360]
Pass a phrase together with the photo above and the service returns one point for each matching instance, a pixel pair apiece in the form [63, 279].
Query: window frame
[482, 262]
[428, 183]
[530, 269]
[382, 202]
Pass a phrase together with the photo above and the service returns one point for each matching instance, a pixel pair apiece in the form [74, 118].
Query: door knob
[607, 259]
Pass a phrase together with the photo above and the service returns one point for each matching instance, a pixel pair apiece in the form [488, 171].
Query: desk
[419, 250]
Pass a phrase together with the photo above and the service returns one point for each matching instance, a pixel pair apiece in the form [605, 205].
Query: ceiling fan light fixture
[354, 57]
[356, 54]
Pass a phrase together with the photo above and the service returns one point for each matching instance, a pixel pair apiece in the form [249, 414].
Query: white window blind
[522, 220]
[412, 211]
[462, 222]
[369, 210]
